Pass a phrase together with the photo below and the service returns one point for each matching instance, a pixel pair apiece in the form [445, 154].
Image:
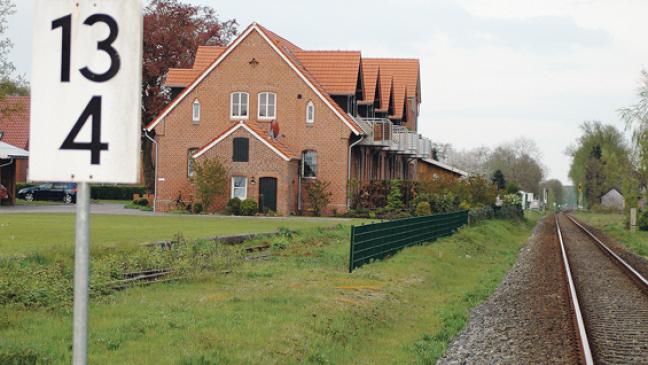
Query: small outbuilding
[9, 155]
[613, 200]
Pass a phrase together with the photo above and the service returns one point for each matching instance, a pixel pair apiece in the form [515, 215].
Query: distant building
[613, 199]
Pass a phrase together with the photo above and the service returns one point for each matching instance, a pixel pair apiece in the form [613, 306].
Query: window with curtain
[309, 164]
[239, 187]
[267, 105]
[239, 105]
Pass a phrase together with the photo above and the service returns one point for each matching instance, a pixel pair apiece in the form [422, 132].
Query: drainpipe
[156, 169]
[349, 170]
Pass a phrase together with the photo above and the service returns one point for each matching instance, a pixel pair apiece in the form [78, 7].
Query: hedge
[106, 192]
[115, 192]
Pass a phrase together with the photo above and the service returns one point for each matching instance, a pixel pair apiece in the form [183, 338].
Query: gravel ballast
[527, 320]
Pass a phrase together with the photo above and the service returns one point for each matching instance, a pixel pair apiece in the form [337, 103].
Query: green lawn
[613, 224]
[24, 234]
[300, 306]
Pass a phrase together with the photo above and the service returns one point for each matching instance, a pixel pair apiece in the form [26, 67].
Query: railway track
[609, 298]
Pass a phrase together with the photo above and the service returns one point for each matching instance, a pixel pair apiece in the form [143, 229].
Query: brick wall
[426, 171]
[263, 162]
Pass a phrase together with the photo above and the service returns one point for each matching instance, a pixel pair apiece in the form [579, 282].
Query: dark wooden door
[267, 194]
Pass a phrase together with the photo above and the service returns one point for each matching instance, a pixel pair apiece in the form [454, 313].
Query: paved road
[71, 208]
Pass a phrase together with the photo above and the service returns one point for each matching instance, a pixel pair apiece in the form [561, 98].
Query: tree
[209, 180]
[498, 180]
[555, 187]
[636, 119]
[519, 161]
[9, 84]
[319, 195]
[472, 161]
[600, 161]
[173, 31]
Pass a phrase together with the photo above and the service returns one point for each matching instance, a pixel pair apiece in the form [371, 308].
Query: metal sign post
[81, 275]
[85, 112]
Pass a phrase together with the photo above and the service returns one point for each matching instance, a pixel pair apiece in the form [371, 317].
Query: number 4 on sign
[95, 146]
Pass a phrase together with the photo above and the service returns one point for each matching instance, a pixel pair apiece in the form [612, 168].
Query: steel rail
[582, 332]
[630, 270]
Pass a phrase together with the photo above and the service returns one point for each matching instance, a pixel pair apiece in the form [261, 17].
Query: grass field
[614, 225]
[24, 234]
[299, 306]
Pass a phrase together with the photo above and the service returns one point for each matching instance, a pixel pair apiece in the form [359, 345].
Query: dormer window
[267, 105]
[195, 114]
[239, 105]
[310, 113]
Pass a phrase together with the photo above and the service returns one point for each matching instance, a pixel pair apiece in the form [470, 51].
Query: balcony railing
[407, 140]
[383, 133]
[380, 131]
[424, 147]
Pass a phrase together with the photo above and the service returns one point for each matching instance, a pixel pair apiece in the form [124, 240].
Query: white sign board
[86, 80]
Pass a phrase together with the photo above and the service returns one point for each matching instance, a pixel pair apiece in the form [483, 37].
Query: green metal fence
[379, 240]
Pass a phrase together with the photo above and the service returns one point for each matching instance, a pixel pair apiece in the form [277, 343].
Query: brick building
[279, 116]
[14, 128]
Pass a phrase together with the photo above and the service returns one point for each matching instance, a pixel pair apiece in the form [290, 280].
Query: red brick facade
[328, 135]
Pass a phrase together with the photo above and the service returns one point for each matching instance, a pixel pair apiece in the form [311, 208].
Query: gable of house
[14, 121]
[291, 61]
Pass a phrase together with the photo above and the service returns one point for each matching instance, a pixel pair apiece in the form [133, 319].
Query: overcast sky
[492, 70]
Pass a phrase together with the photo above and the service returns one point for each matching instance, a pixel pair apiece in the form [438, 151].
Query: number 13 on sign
[86, 72]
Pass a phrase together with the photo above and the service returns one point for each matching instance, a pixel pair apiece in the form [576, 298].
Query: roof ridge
[392, 58]
[331, 50]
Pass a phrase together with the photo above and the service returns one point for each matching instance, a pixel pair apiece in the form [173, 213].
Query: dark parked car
[65, 192]
[4, 193]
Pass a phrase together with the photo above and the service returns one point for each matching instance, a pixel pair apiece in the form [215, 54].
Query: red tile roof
[14, 120]
[260, 131]
[370, 73]
[205, 56]
[336, 71]
[287, 50]
[405, 75]
[329, 72]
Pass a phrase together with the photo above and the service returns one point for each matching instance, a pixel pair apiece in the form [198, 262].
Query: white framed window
[239, 187]
[309, 164]
[239, 105]
[195, 112]
[267, 105]
[310, 113]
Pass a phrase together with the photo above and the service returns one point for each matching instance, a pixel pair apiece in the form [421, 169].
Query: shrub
[115, 192]
[143, 202]
[643, 220]
[395, 198]
[512, 188]
[423, 208]
[210, 180]
[249, 207]
[234, 206]
[318, 195]
[197, 208]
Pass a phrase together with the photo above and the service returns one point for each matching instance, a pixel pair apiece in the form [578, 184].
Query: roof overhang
[233, 129]
[446, 167]
[8, 151]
